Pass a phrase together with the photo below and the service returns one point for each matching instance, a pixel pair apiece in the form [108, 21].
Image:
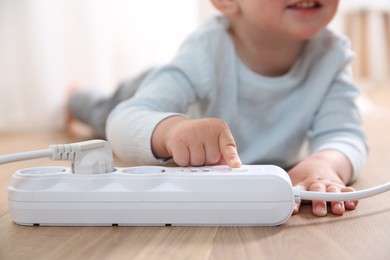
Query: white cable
[89, 157]
[343, 196]
[25, 156]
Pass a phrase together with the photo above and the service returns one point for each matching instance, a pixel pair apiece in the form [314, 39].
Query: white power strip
[218, 195]
[94, 193]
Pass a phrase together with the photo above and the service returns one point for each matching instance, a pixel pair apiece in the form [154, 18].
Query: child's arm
[326, 171]
[195, 142]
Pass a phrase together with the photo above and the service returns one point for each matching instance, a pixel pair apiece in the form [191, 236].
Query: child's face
[300, 19]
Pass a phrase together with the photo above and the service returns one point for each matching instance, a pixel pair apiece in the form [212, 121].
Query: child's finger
[337, 207]
[197, 154]
[181, 155]
[318, 207]
[297, 205]
[228, 149]
[213, 154]
[350, 205]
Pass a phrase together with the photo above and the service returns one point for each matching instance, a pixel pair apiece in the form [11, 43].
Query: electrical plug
[89, 157]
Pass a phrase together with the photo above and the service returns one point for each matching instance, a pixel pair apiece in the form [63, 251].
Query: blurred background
[46, 45]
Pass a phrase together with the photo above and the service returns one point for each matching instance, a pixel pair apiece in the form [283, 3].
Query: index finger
[228, 149]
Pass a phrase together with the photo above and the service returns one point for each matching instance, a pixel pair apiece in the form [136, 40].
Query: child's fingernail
[320, 210]
[235, 162]
[339, 208]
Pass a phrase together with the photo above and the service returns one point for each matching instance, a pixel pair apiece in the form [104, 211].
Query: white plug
[89, 157]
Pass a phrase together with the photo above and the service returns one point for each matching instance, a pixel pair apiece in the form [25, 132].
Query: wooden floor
[360, 234]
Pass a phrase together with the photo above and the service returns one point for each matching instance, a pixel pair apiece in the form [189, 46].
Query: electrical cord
[25, 156]
[343, 196]
[89, 157]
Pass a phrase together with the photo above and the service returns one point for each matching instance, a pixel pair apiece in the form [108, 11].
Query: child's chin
[305, 35]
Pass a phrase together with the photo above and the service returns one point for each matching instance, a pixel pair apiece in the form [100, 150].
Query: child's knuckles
[317, 186]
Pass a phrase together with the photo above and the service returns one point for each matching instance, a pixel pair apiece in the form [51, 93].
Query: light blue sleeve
[167, 91]
[338, 123]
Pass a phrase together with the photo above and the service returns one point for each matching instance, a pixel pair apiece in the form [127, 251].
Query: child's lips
[304, 5]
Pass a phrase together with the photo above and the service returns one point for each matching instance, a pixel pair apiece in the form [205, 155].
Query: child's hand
[195, 142]
[319, 173]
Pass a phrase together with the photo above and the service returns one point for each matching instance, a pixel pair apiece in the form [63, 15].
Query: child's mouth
[304, 5]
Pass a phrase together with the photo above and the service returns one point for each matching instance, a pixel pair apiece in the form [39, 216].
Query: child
[272, 85]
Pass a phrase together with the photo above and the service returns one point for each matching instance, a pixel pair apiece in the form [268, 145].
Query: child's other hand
[195, 142]
[317, 174]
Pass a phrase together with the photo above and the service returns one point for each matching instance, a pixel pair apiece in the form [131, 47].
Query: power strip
[93, 193]
[53, 196]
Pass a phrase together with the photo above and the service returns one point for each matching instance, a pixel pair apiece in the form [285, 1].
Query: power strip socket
[152, 196]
